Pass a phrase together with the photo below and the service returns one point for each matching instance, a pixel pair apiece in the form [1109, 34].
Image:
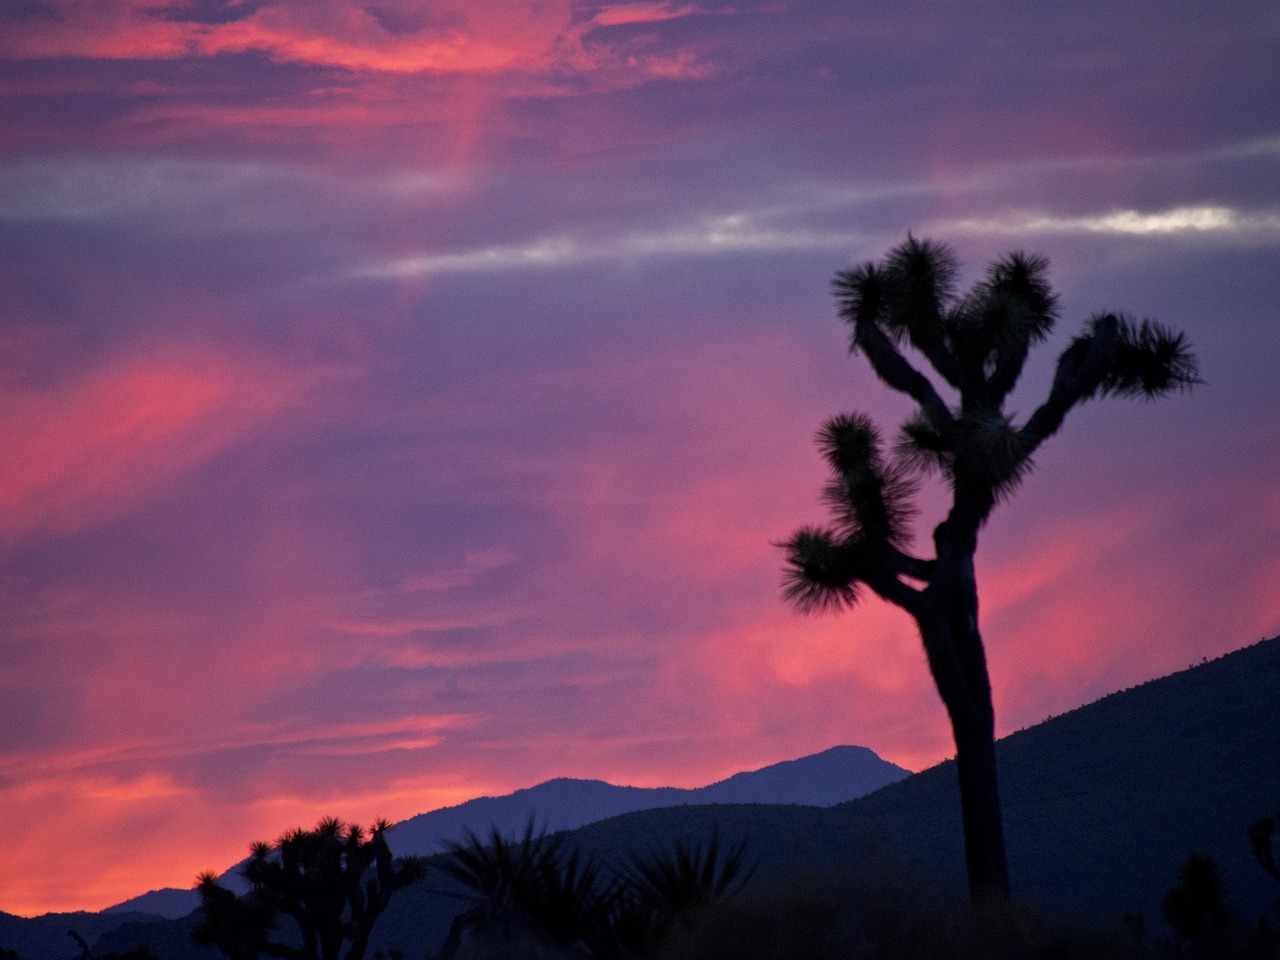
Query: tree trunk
[965, 691]
[948, 621]
[980, 808]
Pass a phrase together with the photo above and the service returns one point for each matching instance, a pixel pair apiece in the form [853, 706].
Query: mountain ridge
[1102, 805]
[825, 778]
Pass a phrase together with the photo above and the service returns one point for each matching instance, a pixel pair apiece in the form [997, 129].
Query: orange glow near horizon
[102, 818]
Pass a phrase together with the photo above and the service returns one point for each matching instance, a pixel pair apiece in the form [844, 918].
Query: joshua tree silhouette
[334, 881]
[977, 342]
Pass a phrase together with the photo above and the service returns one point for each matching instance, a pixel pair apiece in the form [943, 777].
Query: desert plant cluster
[535, 897]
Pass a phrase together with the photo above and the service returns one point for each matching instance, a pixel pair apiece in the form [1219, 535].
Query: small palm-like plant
[690, 877]
[531, 892]
[657, 893]
[521, 889]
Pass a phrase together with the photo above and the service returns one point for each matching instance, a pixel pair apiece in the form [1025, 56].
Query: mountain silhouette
[823, 779]
[1102, 806]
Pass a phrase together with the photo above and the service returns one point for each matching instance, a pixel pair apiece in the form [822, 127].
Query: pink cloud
[87, 450]
[347, 35]
[618, 14]
[456, 38]
[328, 32]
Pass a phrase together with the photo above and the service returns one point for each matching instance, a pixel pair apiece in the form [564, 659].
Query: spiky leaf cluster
[1260, 841]
[533, 888]
[869, 496]
[691, 876]
[984, 446]
[870, 499]
[978, 343]
[822, 572]
[1149, 360]
[906, 295]
[993, 327]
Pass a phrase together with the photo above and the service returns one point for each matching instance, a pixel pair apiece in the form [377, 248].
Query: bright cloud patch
[1180, 220]
[711, 235]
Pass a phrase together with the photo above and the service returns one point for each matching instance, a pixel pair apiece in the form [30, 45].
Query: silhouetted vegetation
[1143, 777]
[977, 343]
[1261, 837]
[532, 898]
[1197, 909]
[140, 952]
[333, 882]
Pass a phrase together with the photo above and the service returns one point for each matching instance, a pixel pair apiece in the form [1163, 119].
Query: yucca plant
[532, 893]
[977, 343]
[656, 893]
[689, 877]
[522, 889]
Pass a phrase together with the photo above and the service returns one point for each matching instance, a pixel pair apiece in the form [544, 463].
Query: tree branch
[897, 372]
[935, 350]
[1080, 371]
[887, 586]
[913, 567]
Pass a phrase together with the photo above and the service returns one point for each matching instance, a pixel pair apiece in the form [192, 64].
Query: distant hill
[166, 902]
[1104, 803]
[823, 779]
[47, 935]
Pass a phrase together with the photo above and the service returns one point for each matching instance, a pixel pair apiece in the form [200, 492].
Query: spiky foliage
[333, 881]
[1196, 908]
[531, 890]
[522, 888]
[691, 876]
[977, 342]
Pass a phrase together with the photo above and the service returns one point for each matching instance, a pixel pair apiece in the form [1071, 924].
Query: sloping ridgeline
[1104, 804]
[823, 779]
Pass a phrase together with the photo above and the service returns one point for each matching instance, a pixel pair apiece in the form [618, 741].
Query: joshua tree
[334, 881]
[977, 343]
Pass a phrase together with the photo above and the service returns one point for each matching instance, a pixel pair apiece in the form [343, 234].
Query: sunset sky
[401, 399]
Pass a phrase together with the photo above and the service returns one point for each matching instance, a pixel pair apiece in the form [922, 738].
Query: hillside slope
[822, 779]
[1103, 804]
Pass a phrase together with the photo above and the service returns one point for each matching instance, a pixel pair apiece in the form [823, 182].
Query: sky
[403, 400]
